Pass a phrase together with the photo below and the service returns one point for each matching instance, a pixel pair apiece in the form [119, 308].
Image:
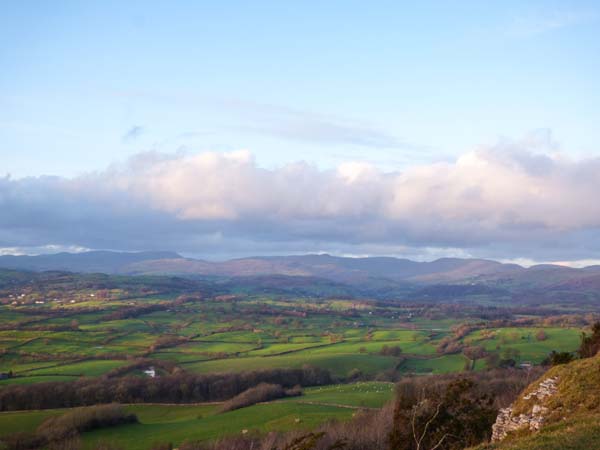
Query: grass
[367, 394]
[280, 416]
[523, 339]
[441, 364]
[34, 379]
[414, 347]
[578, 389]
[254, 334]
[19, 421]
[176, 423]
[252, 339]
[573, 417]
[92, 368]
[14, 363]
[581, 433]
[338, 364]
[215, 347]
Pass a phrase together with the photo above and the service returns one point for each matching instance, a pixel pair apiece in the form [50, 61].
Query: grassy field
[524, 340]
[441, 364]
[277, 416]
[175, 423]
[91, 368]
[247, 334]
[338, 363]
[94, 333]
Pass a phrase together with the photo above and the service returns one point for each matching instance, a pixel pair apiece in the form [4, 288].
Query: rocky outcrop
[507, 421]
[545, 389]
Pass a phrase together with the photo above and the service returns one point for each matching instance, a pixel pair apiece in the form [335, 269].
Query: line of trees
[175, 388]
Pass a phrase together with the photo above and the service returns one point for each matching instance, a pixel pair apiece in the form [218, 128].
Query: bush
[393, 350]
[555, 358]
[451, 416]
[590, 345]
[84, 419]
[354, 375]
[541, 335]
[264, 392]
[165, 446]
[21, 441]
[62, 432]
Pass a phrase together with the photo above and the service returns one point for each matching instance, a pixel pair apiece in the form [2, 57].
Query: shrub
[21, 441]
[541, 335]
[590, 345]
[555, 358]
[165, 446]
[84, 419]
[393, 350]
[354, 375]
[264, 392]
[451, 416]
[62, 432]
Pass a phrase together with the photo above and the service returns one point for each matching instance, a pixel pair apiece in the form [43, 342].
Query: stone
[507, 421]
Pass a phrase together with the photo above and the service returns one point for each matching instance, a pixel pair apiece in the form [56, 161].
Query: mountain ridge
[383, 277]
[346, 270]
[339, 268]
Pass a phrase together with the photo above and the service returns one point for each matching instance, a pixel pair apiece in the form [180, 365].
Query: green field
[524, 340]
[176, 423]
[441, 364]
[338, 363]
[91, 368]
[248, 334]
[354, 341]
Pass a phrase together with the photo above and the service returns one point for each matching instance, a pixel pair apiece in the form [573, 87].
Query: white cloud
[502, 201]
[41, 250]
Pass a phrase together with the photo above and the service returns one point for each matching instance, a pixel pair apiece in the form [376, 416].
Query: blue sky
[291, 80]
[197, 118]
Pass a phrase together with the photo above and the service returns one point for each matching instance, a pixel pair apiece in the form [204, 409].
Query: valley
[142, 339]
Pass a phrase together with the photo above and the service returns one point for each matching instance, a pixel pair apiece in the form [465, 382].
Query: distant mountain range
[376, 276]
[96, 261]
[345, 270]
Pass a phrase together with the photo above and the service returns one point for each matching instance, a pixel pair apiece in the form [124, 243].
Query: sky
[225, 129]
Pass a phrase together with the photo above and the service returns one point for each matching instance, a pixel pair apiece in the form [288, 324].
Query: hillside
[446, 279]
[94, 261]
[564, 404]
[339, 269]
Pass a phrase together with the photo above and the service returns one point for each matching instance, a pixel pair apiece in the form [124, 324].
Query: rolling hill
[378, 277]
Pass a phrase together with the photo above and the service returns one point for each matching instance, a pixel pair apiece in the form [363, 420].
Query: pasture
[52, 342]
[176, 423]
[363, 345]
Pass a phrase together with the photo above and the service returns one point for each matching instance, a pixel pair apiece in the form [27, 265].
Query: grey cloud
[502, 201]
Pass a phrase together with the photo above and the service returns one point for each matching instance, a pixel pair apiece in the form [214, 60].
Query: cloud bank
[503, 201]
